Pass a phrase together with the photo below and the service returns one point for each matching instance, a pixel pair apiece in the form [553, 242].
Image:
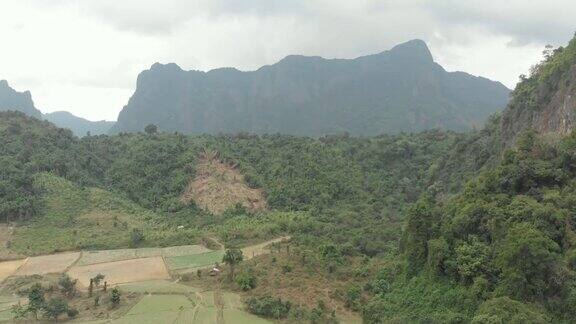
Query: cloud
[85, 55]
[550, 21]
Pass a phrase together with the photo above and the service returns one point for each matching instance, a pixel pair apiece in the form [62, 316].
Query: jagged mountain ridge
[402, 89]
[11, 99]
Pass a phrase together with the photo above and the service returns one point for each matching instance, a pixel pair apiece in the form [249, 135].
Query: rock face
[402, 89]
[546, 100]
[79, 126]
[11, 99]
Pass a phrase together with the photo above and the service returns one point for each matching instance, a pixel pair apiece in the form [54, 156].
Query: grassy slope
[89, 218]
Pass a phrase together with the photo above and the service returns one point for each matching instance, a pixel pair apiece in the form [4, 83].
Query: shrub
[246, 281]
[268, 306]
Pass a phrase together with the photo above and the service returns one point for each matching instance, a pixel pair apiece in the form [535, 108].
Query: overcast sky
[84, 56]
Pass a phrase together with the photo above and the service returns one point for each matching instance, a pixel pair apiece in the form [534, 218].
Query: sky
[84, 56]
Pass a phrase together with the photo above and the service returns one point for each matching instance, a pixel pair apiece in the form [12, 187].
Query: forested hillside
[501, 250]
[341, 194]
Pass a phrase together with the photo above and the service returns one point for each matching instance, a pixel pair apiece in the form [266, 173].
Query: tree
[151, 129]
[36, 299]
[55, 307]
[472, 259]
[232, 257]
[417, 234]
[91, 287]
[527, 260]
[115, 297]
[332, 256]
[506, 310]
[67, 285]
[97, 279]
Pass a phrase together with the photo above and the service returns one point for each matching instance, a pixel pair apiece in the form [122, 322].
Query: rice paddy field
[145, 274]
[194, 261]
[166, 301]
[93, 257]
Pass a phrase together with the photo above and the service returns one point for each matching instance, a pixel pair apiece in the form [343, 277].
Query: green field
[236, 316]
[93, 257]
[194, 261]
[158, 287]
[174, 308]
[160, 303]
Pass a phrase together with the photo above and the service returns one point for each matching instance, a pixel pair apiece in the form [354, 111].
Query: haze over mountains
[402, 89]
[11, 99]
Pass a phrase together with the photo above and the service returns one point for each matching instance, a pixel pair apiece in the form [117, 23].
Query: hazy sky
[84, 56]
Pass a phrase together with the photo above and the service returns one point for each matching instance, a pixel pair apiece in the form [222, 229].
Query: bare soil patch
[9, 267]
[122, 271]
[54, 263]
[219, 186]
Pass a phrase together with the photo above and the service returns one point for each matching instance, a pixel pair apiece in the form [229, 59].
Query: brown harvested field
[263, 248]
[219, 186]
[9, 267]
[54, 263]
[122, 271]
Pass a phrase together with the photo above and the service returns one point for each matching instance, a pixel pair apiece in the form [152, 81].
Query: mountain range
[11, 99]
[399, 90]
[402, 89]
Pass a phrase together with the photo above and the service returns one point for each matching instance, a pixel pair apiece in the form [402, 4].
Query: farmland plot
[54, 263]
[94, 257]
[125, 271]
[194, 261]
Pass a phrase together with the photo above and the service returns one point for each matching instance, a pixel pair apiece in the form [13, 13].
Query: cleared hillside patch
[219, 186]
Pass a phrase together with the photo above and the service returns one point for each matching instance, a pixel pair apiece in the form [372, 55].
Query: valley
[152, 276]
[348, 185]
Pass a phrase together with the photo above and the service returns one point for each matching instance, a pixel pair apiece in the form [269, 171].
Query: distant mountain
[402, 89]
[11, 99]
[79, 126]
